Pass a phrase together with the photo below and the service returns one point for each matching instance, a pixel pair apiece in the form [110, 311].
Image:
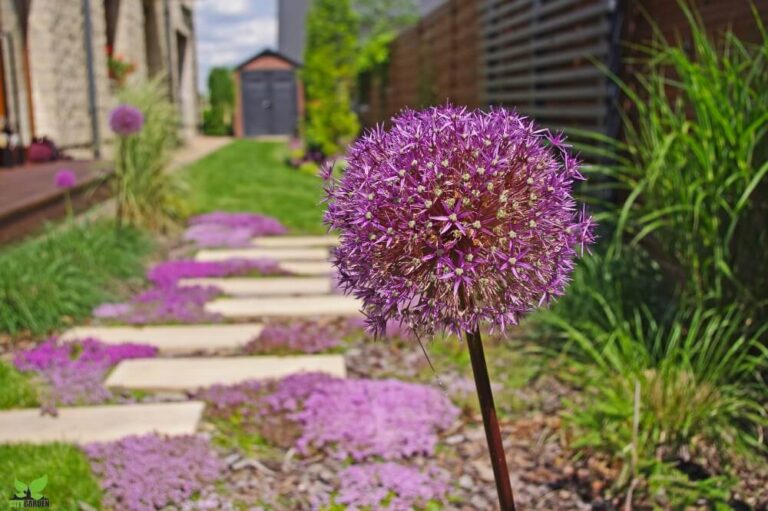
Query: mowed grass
[70, 479]
[16, 390]
[250, 175]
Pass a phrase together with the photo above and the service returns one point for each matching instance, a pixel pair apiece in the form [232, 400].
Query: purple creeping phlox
[363, 419]
[302, 336]
[170, 272]
[126, 120]
[163, 304]
[74, 371]
[65, 179]
[222, 229]
[402, 488]
[454, 217]
[140, 473]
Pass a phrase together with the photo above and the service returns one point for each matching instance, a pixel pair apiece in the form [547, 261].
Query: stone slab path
[172, 339]
[192, 373]
[334, 305]
[273, 286]
[100, 423]
[277, 254]
[307, 268]
[296, 241]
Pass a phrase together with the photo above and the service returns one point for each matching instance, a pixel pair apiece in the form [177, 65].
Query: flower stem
[490, 421]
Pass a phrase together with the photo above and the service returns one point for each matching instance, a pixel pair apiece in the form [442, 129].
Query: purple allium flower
[65, 179]
[126, 120]
[453, 217]
[74, 371]
[403, 488]
[140, 473]
[170, 272]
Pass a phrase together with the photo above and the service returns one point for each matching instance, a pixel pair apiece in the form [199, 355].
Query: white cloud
[230, 31]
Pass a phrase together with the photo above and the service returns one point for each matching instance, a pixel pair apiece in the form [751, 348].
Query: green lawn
[69, 474]
[16, 391]
[249, 175]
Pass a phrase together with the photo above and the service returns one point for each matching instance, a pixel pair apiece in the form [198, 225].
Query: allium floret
[454, 217]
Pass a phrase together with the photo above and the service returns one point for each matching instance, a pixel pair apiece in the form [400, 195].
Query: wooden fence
[540, 56]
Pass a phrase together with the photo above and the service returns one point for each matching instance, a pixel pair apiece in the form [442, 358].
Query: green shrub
[16, 391]
[70, 480]
[149, 196]
[329, 75]
[217, 118]
[56, 279]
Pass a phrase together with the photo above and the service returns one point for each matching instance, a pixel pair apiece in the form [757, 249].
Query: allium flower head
[453, 217]
[65, 179]
[126, 120]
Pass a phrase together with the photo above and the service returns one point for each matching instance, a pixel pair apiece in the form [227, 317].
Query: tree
[217, 119]
[380, 20]
[329, 75]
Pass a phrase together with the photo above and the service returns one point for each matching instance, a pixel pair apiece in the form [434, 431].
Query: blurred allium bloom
[455, 217]
[65, 179]
[126, 120]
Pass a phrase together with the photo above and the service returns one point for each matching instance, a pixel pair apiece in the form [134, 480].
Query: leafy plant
[329, 75]
[149, 196]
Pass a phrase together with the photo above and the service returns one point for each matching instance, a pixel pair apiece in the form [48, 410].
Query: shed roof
[268, 53]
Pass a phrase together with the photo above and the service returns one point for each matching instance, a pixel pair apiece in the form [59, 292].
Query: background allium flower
[126, 120]
[140, 473]
[453, 217]
[65, 179]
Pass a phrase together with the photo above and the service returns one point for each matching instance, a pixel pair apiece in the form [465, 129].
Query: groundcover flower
[454, 217]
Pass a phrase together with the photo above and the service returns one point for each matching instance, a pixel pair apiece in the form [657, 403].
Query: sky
[230, 31]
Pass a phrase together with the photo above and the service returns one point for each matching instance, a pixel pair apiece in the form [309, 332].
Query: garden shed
[268, 96]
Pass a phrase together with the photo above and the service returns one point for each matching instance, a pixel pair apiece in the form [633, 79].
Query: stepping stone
[333, 305]
[273, 286]
[105, 423]
[296, 241]
[192, 373]
[308, 268]
[172, 338]
[277, 254]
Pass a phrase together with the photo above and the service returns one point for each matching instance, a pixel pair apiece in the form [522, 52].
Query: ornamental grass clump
[454, 218]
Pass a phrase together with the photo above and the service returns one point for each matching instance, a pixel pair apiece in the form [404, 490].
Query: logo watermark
[29, 495]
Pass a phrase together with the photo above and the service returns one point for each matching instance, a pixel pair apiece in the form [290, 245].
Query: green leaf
[21, 488]
[38, 485]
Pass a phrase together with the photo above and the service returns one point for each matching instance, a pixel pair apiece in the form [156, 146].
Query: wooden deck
[29, 198]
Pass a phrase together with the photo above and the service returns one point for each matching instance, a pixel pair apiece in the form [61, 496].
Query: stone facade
[48, 73]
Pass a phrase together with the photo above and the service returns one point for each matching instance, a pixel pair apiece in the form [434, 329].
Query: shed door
[269, 102]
